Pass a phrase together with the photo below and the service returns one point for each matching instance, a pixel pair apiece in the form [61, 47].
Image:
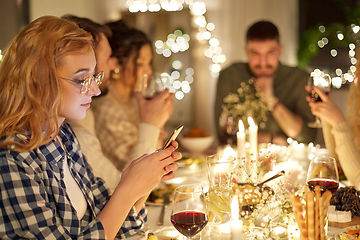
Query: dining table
[293, 159]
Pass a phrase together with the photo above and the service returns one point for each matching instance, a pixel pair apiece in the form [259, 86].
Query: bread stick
[324, 205]
[310, 209]
[298, 210]
[317, 212]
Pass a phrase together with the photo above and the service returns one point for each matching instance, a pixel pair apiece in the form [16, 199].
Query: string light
[1, 56]
[340, 77]
[179, 42]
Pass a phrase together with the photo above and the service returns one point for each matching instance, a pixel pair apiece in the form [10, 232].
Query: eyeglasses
[87, 82]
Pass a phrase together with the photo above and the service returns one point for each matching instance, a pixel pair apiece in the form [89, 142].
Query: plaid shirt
[33, 200]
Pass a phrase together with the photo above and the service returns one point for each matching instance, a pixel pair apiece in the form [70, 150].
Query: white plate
[334, 232]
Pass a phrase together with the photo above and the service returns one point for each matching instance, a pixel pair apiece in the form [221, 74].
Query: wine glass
[189, 212]
[153, 84]
[323, 82]
[323, 172]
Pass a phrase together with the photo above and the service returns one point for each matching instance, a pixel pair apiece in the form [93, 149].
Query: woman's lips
[87, 105]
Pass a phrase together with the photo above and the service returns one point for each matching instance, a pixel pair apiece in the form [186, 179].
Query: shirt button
[75, 212]
[62, 175]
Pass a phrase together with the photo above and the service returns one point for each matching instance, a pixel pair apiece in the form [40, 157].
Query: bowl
[196, 144]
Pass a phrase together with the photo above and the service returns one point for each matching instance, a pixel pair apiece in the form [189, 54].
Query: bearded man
[282, 88]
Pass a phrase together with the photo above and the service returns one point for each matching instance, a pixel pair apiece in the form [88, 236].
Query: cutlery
[279, 174]
[166, 202]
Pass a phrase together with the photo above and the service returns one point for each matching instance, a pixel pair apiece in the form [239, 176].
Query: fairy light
[1, 56]
[179, 42]
[340, 77]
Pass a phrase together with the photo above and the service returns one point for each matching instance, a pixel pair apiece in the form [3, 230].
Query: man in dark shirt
[282, 86]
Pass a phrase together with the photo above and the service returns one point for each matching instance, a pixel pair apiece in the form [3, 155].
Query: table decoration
[220, 170]
[246, 102]
[253, 138]
[236, 224]
[241, 151]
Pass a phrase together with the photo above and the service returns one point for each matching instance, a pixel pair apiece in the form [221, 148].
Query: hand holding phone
[173, 136]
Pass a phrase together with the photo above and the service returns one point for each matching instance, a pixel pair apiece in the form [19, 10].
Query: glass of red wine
[189, 213]
[323, 82]
[323, 172]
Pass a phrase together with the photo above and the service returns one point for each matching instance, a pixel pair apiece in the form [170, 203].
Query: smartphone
[173, 136]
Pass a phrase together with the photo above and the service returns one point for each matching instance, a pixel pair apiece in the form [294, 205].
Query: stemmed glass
[323, 82]
[324, 173]
[153, 84]
[189, 212]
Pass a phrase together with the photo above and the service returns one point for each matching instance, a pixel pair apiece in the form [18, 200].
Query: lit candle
[241, 140]
[236, 225]
[253, 138]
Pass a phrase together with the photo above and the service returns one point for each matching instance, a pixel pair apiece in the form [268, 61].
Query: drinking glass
[220, 169]
[153, 84]
[324, 173]
[189, 212]
[323, 82]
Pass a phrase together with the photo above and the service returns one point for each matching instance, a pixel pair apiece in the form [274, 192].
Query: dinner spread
[352, 233]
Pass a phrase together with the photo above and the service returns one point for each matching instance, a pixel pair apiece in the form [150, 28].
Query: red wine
[189, 223]
[325, 184]
[315, 96]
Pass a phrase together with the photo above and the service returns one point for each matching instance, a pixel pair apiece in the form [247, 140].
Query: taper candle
[241, 152]
[253, 138]
[236, 225]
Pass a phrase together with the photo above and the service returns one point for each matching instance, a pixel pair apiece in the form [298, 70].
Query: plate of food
[156, 197]
[350, 233]
[190, 161]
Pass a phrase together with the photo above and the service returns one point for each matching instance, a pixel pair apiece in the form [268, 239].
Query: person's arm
[91, 148]
[147, 140]
[138, 179]
[348, 153]
[153, 115]
[157, 110]
[289, 122]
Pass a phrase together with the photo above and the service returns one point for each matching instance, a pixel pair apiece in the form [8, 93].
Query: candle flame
[235, 208]
[251, 121]
[241, 126]
[229, 152]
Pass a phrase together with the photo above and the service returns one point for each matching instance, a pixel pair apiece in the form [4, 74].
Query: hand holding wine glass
[327, 110]
[323, 82]
[323, 172]
[153, 84]
[189, 213]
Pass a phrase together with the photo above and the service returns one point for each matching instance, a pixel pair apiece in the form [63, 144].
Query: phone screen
[173, 136]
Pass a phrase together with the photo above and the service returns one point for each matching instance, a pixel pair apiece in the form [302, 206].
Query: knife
[166, 202]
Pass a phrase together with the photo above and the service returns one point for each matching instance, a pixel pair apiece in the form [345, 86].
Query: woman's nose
[148, 70]
[94, 89]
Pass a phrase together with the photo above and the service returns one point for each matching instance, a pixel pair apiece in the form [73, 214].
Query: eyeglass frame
[86, 83]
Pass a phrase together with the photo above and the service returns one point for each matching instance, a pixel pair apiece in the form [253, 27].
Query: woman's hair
[126, 43]
[353, 104]
[95, 29]
[31, 93]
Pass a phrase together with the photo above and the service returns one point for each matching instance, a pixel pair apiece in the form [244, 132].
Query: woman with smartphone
[47, 188]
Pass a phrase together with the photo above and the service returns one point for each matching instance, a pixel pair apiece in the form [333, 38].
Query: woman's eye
[79, 81]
